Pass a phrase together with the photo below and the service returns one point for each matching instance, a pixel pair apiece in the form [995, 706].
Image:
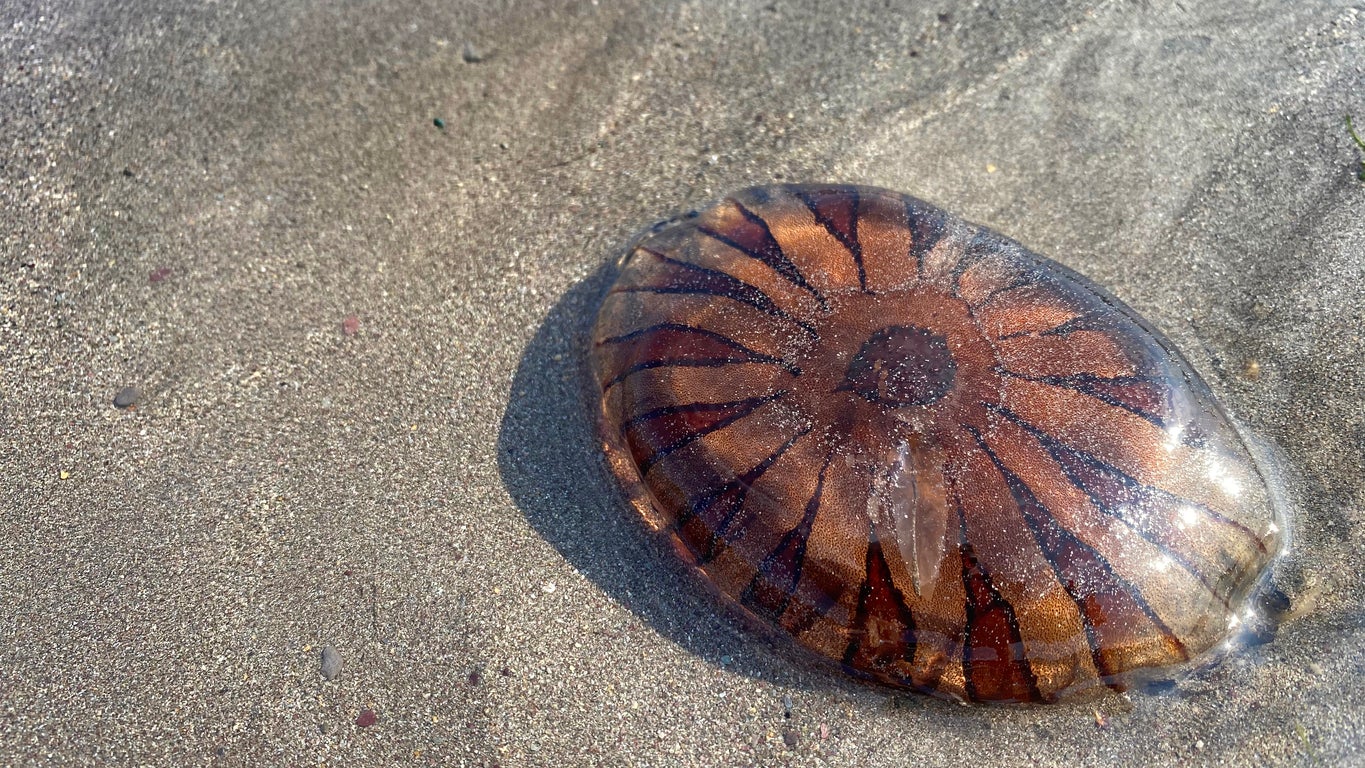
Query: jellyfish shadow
[551, 463]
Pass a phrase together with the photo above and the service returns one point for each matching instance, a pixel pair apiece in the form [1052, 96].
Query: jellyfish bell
[922, 451]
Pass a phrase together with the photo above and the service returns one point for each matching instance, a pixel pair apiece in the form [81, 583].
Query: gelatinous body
[924, 452]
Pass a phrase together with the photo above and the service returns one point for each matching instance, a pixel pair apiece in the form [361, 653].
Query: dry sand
[356, 339]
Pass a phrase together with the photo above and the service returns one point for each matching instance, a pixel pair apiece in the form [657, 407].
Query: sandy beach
[294, 300]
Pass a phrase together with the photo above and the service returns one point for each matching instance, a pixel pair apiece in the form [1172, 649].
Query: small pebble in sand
[471, 54]
[789, 738]
[351, 325]
[127, 397]
[331, 662]
[367, 718]
[158, 274]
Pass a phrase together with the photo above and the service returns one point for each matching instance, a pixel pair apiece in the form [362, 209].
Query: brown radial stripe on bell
[923, 452]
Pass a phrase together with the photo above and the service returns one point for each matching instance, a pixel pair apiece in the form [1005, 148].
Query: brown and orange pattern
[922, 451]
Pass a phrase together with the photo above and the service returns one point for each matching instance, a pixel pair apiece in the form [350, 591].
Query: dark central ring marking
[902, 365]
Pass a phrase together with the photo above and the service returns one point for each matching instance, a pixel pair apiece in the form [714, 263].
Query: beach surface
[294, 299]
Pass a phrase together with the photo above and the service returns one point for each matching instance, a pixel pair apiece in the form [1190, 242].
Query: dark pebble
[439, 123]
[475, 677]
[1273, 602]
[789, 738]
[367, 718]
[331, 662]
[470, 54]
[1158, 687]
[127, 397]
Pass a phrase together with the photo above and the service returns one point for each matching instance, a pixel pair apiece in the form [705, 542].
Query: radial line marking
[1081, 384]
[757, 357]
[1128, 481]
[749, 406]
[797, 539]
[849, 241]
[1025, 498]
[758, 299]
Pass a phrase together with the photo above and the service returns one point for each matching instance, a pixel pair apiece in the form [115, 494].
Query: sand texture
[337, 263]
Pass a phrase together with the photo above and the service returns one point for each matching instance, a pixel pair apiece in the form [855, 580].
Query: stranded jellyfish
[922, 451]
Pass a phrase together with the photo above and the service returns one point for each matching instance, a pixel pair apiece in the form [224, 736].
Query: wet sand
[347, 258]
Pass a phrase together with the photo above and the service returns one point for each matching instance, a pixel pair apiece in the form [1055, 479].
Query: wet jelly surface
[920, 450]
